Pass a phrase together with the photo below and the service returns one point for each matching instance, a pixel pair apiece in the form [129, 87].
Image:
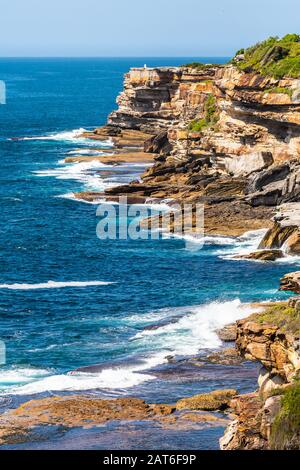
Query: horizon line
[122, 57]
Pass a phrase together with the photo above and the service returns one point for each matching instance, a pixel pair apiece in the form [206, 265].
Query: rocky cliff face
[257, 115]
[160, 98]
[266, 418]
[216, 125]
[219, 135]
[231, 140]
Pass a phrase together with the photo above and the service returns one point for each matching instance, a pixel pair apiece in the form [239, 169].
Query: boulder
[159, 144]
[268, 382]
[270, 195]
[276, 236]
[246, 164]
[226, 357]
[244, 432]
[292, 244]
[263, 255]
[258, 181]
[270, 410]
[216, 400]
[291, 282]
[228, 332]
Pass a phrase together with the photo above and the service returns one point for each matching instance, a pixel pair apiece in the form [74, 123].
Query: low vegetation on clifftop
[273, 57]
[281, 315]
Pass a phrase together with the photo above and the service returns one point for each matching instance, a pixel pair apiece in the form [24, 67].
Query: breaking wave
[54, 285]
[84, 172]
[189, 330]
[72, 136]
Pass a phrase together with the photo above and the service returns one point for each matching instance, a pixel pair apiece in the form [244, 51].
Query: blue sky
[139, 27]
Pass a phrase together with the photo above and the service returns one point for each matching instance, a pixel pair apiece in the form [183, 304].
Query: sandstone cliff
[270, 417]
[229, 137]
[220, 135]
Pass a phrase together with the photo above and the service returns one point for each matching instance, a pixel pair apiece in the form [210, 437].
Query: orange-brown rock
[215, 400]
[291, 282]
[73, 411]
[267, 343]
[114, 158]
[244, 432]
[263, 255]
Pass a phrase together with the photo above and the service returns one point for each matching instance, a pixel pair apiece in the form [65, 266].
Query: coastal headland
[227, 137]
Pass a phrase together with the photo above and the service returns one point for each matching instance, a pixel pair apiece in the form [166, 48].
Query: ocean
[70, 300]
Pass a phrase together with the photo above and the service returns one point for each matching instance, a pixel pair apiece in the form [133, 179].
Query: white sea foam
[72, 170]
[17, 375]
[54, 285]
[83, 172]
[72, 136]
[87, 152]
[243, 245]
[248, 243]
[72, 197]
[195, 241]
[194, 329]
[110, 378]
[232, 245]
[289, 259]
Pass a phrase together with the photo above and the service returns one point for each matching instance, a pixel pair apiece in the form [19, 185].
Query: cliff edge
[225, 136]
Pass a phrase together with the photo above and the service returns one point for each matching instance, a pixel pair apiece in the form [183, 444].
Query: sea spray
[195, 329]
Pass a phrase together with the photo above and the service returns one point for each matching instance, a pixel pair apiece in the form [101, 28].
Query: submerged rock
[216, 400]
[226, 357]
[74, 411]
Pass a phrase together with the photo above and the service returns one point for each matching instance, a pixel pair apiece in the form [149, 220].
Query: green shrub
[210, 118]
[285, 431]
[197, 125]
[287, 318]
[195, 65]
[200, 65]
[273, 57]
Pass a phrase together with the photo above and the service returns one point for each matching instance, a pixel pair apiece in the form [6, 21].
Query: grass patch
[285, 431]
[210, 118]
[200, 65]
[195, 65]
[198, 125]
[286, 91]
[287, 318]
[275, 57]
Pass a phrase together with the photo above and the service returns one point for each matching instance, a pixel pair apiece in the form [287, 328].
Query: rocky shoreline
[228, 139]
[269, 417]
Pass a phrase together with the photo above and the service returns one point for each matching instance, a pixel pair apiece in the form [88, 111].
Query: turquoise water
[151, 299]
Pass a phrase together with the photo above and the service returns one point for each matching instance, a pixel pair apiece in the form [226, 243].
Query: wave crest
[54, 285]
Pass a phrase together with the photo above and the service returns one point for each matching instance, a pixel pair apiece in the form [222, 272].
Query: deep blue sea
[149, 300]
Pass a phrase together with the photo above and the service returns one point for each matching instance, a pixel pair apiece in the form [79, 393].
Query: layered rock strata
[218, 136]
[266, 419]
